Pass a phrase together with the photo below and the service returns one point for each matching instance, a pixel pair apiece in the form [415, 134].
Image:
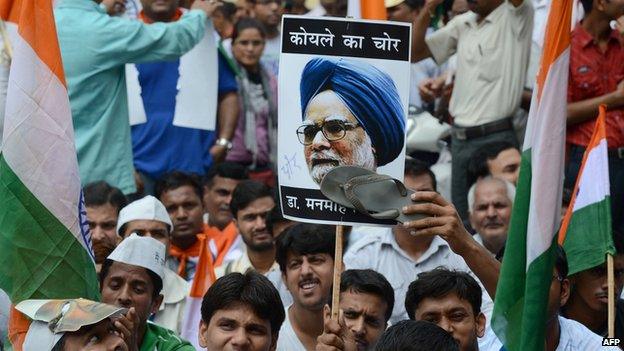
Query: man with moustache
[103, 203]
[352, 116]
[181, 194]
[218, 185]
[366, 303]
[251, 204]
[490, 202]
[305, 253]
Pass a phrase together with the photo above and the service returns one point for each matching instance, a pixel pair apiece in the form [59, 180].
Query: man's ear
[480, 324]
[565, 292]
[203, 337]
[156, 303]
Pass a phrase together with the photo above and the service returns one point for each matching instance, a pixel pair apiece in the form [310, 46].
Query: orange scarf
[223, 239]
[184, 254]
[145, 19]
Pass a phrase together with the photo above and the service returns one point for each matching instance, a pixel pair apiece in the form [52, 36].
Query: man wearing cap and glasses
[148, 217]
[352, 115]
[132, 277]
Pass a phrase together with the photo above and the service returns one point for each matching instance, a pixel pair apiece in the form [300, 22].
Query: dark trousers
[462, 151]
[616, 178]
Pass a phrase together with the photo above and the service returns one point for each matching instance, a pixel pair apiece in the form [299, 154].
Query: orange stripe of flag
[373, 9]
[598, 135]
[18, 327]
[35, 22]
[557, 39]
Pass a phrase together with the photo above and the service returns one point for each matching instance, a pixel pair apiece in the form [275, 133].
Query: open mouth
[308, 285]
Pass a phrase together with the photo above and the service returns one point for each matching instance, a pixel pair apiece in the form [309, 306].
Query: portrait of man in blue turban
[352, 116]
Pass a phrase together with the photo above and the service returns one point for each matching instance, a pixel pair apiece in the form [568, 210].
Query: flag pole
[611, 292]
[337, 271]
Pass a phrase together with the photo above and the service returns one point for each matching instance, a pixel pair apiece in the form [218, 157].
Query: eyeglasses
[333, 130]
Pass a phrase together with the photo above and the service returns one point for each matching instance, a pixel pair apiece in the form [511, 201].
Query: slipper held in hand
[376, 195]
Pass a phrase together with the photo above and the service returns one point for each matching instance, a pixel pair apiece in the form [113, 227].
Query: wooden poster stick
[611, 292]
[337, 271]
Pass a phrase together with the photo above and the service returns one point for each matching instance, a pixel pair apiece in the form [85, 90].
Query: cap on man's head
[53, 318]
[393, 3]
[147, 208]
[140, 251]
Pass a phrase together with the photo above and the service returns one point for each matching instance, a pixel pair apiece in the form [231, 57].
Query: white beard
[362, 157]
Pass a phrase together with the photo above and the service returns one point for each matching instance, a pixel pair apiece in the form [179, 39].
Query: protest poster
[346, 80]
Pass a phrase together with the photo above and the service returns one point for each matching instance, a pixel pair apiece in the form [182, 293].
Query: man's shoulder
[371, 238]
[576, 336]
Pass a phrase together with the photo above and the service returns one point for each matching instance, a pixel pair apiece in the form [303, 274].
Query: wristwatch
[224, 142]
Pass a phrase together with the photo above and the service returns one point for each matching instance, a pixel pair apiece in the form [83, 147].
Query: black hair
[305, 239]
[410, 335]
[587, 6]
[252, 289]
[227, 9]
[561, 262]
[231, 170]
[618, 240]
[247, 192]
[101, 193]
[414, 167]
[440, 282]
[276, 215]
[369, 282]
[414, 4]
[247, 23]
[478, 164]
[156, 280]
[177, 179]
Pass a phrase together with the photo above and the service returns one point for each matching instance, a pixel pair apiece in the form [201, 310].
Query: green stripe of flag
[39, 257]
[519, 316]
[588, 237]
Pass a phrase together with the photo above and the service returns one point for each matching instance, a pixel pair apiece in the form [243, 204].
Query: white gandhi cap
[147, 208]
[141, 251]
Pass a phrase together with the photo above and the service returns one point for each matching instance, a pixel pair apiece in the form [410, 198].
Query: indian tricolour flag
[586, 229]
[44, 244]
[522, 293]
[203, 279]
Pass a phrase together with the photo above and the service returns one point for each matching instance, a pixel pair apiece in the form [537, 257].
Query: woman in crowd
[254, 140]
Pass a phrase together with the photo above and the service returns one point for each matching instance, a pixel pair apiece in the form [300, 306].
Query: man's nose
[491, 211]
[357, 328]
[97, 233]
[124, 298]
[446, 325]
[239, 338]
[116, 343]
[320, 142]
[181, 213]
[306, 268]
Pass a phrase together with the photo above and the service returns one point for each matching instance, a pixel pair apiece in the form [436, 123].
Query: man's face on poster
[332, 137]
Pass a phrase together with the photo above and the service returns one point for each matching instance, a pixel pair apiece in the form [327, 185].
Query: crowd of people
[166, 203]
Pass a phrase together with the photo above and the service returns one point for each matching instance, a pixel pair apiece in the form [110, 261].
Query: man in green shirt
[132, 277]
[95, 48]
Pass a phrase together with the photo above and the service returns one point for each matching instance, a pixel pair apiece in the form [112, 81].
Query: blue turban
[369, 94]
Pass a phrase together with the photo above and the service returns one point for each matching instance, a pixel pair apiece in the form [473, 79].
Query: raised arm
[581, 111]
[420, 50]
[444, 221]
